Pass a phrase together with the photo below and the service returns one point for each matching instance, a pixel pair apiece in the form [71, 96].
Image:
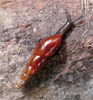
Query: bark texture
[69, 73]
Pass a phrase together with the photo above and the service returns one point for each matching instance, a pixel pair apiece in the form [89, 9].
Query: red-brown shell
[44, 50]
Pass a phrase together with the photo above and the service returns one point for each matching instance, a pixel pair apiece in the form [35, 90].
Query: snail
[43, 52]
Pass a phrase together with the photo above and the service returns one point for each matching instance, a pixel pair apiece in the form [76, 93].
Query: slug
[42, 53]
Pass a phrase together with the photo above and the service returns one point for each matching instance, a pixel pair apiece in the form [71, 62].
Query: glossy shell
[44, 50]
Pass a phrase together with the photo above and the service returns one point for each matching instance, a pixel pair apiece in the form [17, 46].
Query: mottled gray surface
[69, 73]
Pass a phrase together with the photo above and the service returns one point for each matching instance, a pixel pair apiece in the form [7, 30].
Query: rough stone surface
[69, 73]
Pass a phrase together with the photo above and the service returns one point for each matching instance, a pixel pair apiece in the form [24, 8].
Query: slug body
[42, 53]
